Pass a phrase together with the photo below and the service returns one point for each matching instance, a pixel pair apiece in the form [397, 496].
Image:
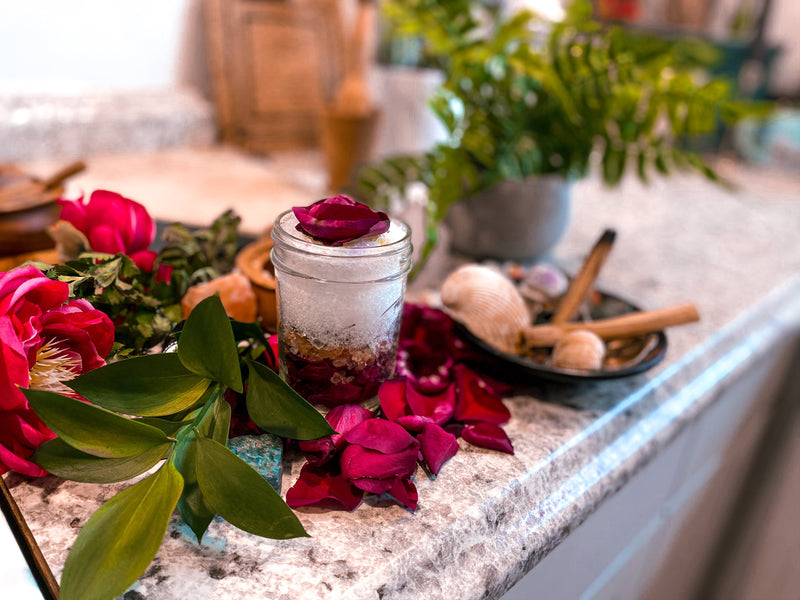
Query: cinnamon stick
[583, 281]
[629, 325]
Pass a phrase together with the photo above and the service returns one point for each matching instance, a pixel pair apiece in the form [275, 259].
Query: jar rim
[282, 236]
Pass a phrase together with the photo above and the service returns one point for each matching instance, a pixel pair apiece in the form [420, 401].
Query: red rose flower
[113, 223]
[334, 221]
[43, 341]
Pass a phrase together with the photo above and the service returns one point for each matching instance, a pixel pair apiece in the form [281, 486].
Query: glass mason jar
[339, 310]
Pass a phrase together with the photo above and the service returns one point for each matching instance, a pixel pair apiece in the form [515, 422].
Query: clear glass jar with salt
[339, 310]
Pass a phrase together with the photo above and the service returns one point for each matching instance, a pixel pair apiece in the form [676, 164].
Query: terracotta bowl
[253, 260]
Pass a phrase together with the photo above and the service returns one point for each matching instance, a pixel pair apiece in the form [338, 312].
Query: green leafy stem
[170, 409]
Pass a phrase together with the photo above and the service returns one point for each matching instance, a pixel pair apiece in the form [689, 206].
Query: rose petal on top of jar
[334, 221]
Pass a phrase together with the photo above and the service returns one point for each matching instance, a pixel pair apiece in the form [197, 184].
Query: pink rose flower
[112, 224]
[43, 340]
[334, 221]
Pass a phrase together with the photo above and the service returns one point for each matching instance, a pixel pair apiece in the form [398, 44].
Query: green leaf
[278, 409]
[120, 540]
[194, 509]
[613, 164]
[92, 429]
[241, 496]
[168, 427]
[207, 346]
[63, 460]
[147, 386]
[192, 506]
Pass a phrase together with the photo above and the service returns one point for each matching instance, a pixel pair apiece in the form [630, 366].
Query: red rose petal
[106, 238]
[475, 401]
[317, 452]
[487, 435]
[405, 492]
[74, 212]
[413, 422]
[380, 435]
[392, 395]
[342, 419]
[323, 488]
[374, 471]
[145, 260]
[437, 446]
[439, 408]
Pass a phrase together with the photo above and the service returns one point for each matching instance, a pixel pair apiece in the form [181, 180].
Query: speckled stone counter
[489, 518]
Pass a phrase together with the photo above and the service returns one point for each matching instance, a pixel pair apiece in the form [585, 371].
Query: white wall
[69, 45]
[80, 45]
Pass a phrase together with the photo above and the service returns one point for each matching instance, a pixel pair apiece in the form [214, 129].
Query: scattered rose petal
[342, 419]
[475, 401]
[375, 472]
[487, 435]
[334, 221]
[439, 408]
[323, 488]
[413, 423]
[381, 435]
[437, 446]
[405, 492]
[392, 395]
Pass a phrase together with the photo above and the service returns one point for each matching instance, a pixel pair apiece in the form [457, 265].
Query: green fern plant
[521, 98]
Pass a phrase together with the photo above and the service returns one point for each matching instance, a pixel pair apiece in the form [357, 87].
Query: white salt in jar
[339, 310]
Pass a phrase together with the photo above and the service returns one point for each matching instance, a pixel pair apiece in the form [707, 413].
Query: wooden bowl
[23, 227]
[253, 260]
[28, 207]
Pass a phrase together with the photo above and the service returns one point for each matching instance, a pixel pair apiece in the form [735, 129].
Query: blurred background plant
[523, 96]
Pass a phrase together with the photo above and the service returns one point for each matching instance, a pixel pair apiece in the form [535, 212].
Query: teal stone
[262, 452]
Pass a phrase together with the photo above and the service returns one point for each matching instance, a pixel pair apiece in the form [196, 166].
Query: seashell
[579, 349]
[547, 279]
[488, 304]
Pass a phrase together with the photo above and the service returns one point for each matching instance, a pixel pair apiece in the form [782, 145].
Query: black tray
[647, 349]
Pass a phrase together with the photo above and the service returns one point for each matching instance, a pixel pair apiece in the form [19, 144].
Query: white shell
[488, 304]
[579, 349]
[547, 279]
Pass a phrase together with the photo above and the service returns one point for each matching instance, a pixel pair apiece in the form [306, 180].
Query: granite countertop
[735, 255]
